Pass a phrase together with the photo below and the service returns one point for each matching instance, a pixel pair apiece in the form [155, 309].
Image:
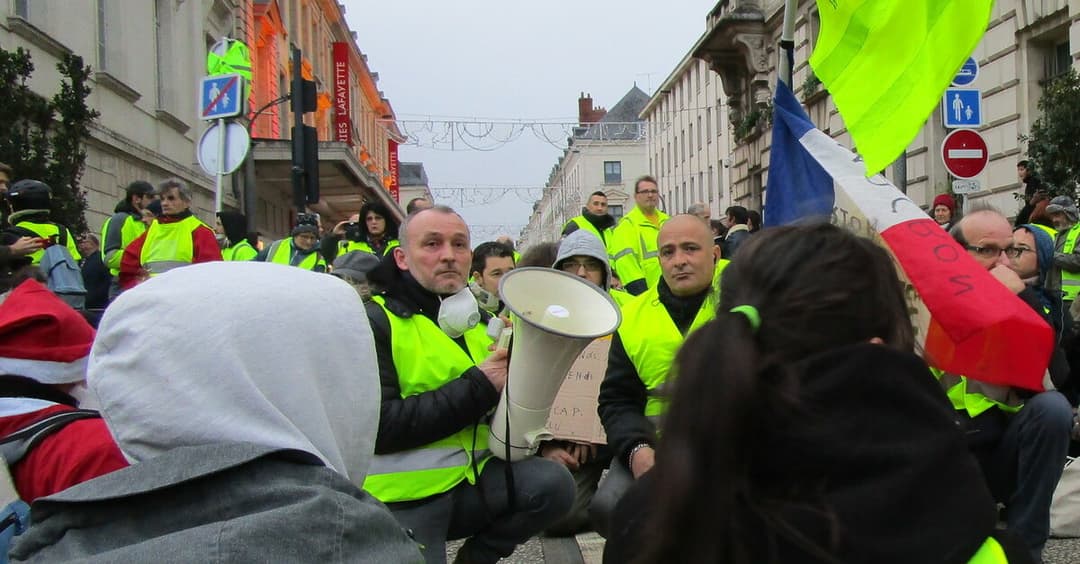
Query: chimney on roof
[587, 113]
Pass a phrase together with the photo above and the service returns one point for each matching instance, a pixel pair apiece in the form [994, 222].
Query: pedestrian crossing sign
[220, 96]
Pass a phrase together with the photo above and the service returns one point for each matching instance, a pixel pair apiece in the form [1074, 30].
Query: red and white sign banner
[342, 110]
[965, 153]
[395, 191]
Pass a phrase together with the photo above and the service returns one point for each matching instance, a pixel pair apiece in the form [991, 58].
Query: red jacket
[80, 451]
[204, 249]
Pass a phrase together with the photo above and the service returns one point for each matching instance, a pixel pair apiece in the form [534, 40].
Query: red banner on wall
[395, 192]
[342, 111]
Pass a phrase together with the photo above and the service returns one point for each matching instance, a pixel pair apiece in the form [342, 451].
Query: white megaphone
[556, 315]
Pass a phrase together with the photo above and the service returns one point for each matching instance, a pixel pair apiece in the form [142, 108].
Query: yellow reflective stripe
[990, 552]
[623, 253]
[418, 459]
[1070, 281]
[651, 254]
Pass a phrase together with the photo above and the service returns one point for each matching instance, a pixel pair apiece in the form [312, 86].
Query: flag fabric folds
[886, 64]
[967, 322]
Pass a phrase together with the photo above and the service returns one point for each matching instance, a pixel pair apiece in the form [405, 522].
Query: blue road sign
[221, 96]
[961, 107]
[967, 73]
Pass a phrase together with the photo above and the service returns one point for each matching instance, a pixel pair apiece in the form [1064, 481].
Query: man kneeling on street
[440, 380]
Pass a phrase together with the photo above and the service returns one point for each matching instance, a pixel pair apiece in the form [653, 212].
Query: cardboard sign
[573, 415]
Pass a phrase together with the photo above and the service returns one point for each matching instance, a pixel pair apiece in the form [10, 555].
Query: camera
[307, 219]
[352, 231]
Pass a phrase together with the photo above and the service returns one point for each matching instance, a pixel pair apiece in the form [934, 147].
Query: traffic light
[305, 140]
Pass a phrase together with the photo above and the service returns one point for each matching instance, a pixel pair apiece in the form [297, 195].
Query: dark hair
[738, 213]
[598, 193]
[755, 219]
[489, 249]
[718, 228]
[645, 178]
[139, 188]
[383, 212]
[1024, 163]
[6, 169]
[234, 224]
[713, 503]
[540, 254]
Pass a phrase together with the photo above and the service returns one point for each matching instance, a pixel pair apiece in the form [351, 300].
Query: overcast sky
[499, 59]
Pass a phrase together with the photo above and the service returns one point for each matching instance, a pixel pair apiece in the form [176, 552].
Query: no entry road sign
[965, 153]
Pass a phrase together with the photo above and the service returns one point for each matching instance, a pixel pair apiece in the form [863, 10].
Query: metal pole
[251, 201]
[222, 133]
[786, 67]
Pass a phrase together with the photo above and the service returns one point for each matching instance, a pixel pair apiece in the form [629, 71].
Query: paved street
[589, 548]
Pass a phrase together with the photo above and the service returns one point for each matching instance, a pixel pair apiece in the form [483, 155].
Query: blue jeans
[1024, 466]
[544, 492]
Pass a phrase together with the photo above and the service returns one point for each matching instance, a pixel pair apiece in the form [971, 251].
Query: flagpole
[786, 67]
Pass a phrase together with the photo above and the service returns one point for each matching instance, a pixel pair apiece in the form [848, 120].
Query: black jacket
[871, 452]
[417, 420]
[622, 393]
[732, 242]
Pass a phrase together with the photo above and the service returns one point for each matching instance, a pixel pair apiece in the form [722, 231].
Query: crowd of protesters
[211, 395]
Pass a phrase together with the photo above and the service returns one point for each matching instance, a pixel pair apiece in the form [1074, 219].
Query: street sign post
[964, 153]
[967, 73]
[961, 107]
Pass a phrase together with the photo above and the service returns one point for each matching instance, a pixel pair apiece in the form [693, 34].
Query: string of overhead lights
[472, 134]
[469, 196]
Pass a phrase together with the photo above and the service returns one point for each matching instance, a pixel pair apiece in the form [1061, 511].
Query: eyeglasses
[649, 192]
[576, 266]
[994, 252]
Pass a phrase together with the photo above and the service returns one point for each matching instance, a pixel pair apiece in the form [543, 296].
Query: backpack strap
[15, 446]
[62, 234]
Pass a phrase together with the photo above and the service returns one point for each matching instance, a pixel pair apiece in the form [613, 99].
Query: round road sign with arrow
[965, 153]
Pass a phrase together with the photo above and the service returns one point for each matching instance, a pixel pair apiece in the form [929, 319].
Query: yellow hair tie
[751, 314]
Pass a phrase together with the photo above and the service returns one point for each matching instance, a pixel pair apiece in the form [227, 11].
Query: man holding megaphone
[633, 394]
[440, 380]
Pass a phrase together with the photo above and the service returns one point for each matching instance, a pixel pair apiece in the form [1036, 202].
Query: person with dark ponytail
[803, 427]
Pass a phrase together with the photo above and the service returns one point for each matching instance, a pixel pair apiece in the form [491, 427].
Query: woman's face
[376, 224]
[942, 214]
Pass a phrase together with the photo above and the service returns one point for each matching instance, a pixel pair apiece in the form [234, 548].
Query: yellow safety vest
[621, 297]
[426, 359]
[363, 246]
[607, 236]
[240, 251]
[169, 245]
[1070, 281]
[133, 227]
[651, 340]
[281, 252]
[974, 397]
[636, 254]
[990, 552]
[45, 231]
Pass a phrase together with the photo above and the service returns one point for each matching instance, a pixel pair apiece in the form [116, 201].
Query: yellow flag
[886, 64]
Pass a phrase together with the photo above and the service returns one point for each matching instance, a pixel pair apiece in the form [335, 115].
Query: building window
[682, 148]
[669, 155]
[691, 196]
[163, 44]
[660, 162]
[1058, 61]
[612, 172]
[701, 186]
[691, 140]
[708, 125]
[699, 133]
[710, 185]
[707, 73]
[102, 33]
[815, 28]
[697, 77]
[22, 9]
[616, 211]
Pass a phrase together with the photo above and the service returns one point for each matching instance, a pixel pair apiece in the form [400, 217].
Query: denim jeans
[544, 493]
[1024, 466]
[612, 487]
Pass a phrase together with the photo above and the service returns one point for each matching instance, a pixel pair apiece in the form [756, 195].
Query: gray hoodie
[584, 243]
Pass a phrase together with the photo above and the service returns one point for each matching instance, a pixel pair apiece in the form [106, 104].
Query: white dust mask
[458, 313]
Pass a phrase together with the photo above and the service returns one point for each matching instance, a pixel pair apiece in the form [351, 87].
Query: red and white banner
[395, 191]
[342, 110]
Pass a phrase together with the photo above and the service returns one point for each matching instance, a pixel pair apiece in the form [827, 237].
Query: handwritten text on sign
[573, 415]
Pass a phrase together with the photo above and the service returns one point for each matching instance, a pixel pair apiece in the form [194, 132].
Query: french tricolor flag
[967, 322]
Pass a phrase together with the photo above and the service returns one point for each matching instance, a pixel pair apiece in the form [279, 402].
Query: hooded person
[244, 454]
[580, 253]
[231, 231]
[44, 346]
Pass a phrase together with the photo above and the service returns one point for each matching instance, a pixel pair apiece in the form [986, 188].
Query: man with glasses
[635, 256]
[300, 249]
[123, 227]
[1020, 439]
[177, 238]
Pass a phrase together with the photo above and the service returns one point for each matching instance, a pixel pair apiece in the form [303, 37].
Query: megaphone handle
[504, 338]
